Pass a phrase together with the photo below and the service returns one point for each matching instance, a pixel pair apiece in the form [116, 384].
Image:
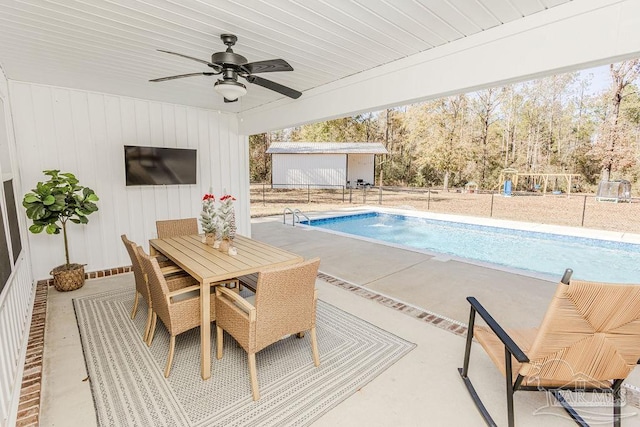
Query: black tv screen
[159, 166]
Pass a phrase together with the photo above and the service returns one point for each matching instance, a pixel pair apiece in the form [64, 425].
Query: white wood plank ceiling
[111, 45]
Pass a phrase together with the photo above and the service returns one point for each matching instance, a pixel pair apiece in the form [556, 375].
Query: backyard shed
[323, 164]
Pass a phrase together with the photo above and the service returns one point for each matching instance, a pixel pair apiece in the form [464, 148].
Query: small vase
[224, 246]
[210, 238]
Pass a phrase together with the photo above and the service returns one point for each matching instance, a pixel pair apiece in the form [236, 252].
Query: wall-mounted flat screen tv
[159, 166]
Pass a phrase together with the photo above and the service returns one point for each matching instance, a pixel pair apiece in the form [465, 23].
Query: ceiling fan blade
[210, 64]
[268, 66]
[277, 87]
[162, 79]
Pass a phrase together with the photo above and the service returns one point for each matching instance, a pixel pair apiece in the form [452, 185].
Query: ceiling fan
[229, 65]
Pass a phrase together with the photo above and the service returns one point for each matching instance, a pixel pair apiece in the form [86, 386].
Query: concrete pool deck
[421, 286]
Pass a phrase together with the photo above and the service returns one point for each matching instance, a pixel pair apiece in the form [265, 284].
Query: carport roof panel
[327, 148]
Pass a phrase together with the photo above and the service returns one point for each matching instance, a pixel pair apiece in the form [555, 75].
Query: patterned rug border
[396, 349]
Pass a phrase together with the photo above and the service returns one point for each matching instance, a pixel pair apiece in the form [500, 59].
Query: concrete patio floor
[423, 388]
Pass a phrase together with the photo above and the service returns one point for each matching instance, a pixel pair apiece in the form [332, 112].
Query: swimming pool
[549, 254]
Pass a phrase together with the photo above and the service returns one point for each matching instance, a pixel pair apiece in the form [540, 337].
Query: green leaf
[35, 229]
[30, 198]
[90, 207]
[75, 221]
[41, 189]
[83, 219]
[59, 203]
[52, 228]
[93, 197]
[49, 200]
[36, 211]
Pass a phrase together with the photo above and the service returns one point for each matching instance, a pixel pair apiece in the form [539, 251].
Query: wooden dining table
[209, 265]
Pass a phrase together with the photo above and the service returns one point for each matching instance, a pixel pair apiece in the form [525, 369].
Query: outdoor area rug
[129, 387]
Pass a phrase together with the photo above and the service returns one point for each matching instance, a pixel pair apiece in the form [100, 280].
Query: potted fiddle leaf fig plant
[50, 206]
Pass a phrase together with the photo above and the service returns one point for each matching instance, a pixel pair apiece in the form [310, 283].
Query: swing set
[538, 181]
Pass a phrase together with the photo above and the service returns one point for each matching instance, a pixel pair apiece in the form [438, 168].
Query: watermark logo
[583, 393]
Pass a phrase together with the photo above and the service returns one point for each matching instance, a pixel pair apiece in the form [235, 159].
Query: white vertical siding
[300, 170]
[84, 133]
[360, 166]
[16, 298]
[16, 304]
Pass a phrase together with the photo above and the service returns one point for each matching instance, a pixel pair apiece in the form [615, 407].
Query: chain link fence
[577, 210]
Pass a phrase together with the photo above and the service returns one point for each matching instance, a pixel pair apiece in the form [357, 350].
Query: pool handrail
[295, 214]
[298, 212]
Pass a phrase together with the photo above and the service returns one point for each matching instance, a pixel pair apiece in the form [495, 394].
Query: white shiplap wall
[16, 299]
[84, 133]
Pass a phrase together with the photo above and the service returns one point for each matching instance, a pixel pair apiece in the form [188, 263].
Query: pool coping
[564, 230]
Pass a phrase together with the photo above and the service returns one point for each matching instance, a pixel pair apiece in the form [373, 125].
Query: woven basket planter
[68, 278]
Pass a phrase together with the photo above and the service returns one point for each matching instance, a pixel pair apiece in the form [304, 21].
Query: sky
[601, 78]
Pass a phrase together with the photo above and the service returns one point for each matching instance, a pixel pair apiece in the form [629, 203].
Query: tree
[346, 129]
[446, 152]
[259, 162]
[484, 106]
[612, 148]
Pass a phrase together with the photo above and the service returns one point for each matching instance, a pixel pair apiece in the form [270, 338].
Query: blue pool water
[590, 259]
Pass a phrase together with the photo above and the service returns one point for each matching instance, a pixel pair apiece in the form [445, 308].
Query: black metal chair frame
[511, 349]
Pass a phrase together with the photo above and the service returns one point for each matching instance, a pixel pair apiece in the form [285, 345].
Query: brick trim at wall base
[96, 274]
[29, 405]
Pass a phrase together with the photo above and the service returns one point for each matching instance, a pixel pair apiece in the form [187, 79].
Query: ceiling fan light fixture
[230, 65]
[230, 89]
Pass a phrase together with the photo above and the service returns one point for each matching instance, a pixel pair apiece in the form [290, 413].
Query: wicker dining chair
[176, 227]
[179, 309]
[589, 340]
[285, 303]
[171, 272]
